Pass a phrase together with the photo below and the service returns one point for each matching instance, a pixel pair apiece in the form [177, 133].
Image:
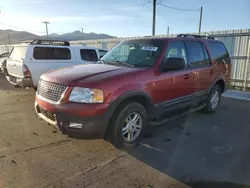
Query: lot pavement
[199, 150]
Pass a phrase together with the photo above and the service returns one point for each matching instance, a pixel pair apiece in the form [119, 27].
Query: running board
[160, 122]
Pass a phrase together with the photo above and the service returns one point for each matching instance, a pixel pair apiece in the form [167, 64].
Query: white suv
[27, 62]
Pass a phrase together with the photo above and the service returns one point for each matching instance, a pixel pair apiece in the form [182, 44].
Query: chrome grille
[50, 90]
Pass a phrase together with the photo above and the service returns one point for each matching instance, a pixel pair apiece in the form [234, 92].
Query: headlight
[86, 95]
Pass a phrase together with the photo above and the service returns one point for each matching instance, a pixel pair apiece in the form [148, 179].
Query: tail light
[26, 71]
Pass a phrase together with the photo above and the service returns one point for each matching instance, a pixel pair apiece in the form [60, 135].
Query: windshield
[135, 53]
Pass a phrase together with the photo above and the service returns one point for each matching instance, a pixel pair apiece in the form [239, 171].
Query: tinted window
[51, 53]
[102, 52]
[88, 55]
[218, 51]
[207, 58]
[176, 50]
[196, 54]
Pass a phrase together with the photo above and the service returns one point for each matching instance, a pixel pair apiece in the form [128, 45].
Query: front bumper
[22, 82]
[61, 115]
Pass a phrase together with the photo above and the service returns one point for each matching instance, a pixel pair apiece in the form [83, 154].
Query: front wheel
[128, 125]
[213, 100]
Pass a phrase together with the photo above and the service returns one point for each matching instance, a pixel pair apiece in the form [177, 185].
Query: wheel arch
[221, 83]
[139, 96]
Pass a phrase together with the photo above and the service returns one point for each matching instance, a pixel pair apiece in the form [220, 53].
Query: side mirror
[173, 64]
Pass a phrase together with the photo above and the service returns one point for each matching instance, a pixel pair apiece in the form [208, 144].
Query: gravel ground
[34, 154]
[200, 150]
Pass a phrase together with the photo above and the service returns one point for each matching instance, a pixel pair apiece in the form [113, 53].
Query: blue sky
[122, 17]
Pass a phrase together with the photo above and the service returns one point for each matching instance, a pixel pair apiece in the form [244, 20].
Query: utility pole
[46, 25]
[200, 19]
[9, 38]
[154, 12]
[168, 31]
[82, 34]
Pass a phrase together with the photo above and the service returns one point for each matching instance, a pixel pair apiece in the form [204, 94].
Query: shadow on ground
[216, 185]
[6, 86]
[203, 150]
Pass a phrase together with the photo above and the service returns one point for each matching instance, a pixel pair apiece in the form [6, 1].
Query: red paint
[115, 81]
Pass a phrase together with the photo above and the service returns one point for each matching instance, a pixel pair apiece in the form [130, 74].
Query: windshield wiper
[102, 61]
[123, 63]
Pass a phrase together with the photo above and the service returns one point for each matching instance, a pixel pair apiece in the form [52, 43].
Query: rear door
[46, 58]
[200, 63]
[15, 61]
[87, 56]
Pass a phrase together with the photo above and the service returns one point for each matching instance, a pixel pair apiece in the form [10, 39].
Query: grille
[48, 114]
[51, 91]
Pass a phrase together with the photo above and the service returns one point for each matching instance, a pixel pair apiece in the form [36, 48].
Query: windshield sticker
[150, 48]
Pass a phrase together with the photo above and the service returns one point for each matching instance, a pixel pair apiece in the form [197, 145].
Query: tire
[212, 104]
[122, 125]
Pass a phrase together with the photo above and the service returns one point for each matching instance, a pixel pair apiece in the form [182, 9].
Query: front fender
[124, 93]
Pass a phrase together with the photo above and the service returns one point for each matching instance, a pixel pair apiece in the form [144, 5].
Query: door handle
[211, 71]
[187, 76]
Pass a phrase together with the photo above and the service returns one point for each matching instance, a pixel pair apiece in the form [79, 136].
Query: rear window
[88, 55]
[51, 53]
[218, 51]
[18, 53]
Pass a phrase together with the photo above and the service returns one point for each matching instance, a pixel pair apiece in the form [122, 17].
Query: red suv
[138, 83]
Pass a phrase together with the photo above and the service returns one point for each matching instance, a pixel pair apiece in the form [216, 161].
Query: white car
[3, 57]
[27, 62]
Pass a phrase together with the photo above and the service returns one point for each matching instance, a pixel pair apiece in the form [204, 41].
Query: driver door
[175, 87]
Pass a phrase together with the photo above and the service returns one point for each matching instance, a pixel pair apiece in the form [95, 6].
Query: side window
[51, 53]
[207, 58]
[102, 52]
[218, 52]
[88, 55]
[176, 49]
[196, 54]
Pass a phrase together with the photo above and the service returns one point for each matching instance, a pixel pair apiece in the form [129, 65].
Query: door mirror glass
[173, 64]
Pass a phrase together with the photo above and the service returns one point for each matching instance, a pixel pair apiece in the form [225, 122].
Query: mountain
[14, 37]
[77, 35]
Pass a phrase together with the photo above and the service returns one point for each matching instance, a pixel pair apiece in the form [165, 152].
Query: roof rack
[195, 36]
[26, 41]
[50, 42]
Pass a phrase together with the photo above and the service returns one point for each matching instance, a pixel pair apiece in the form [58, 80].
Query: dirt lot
[197, 149]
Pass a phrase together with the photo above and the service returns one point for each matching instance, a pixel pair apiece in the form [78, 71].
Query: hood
[75, 74]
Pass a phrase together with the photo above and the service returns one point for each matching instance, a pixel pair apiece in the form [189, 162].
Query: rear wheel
[213, 100]
[128, 125]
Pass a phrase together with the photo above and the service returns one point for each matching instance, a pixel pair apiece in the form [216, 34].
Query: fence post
[247, 62]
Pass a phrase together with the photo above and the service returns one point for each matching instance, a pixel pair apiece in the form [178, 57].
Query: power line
[20, 28]
[143, 5]
[175, 8]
